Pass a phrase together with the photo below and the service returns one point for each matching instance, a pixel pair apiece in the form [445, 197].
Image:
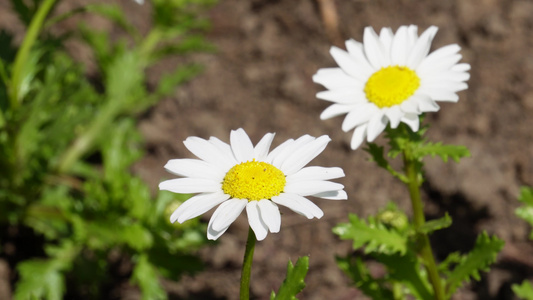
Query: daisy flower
[239, 176]
[390, 78]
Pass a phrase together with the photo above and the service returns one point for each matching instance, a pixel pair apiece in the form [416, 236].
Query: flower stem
[412, 171]
[247, 265]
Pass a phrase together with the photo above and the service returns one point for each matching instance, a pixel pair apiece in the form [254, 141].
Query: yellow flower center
[391, 86]
[253, 180]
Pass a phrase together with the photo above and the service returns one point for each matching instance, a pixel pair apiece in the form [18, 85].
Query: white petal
[303, 155]
[412, 121]
[449, 75]
[356, 51]
[461, 67]
[215, 234]
[359, 115]
[412, 36]
[373, 48]
[242, 146]
[270, 215]
[299, 205]
[197, 205]
[226, 213]
[386, 36]
[194, 168]
[307, 188]
[348, 64]
[332, 195]
[409, 106]
[344, 96]
[440, 94]
[274, 153]
[256, 223]
[376, 125]
[280, 158]
[421, 48]
[333, 78]
[394, 114]
[446, 85]
[358, 136]
[399, 47]
[190, 185]
[261, 149]
[336, 110]
[225, 149]
[316, 173]
[440, 60]
[204, 150]
[425, 103]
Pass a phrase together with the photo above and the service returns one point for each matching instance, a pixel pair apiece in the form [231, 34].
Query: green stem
[411, 171]
[24, 51]
[247, 265]
[86, 140]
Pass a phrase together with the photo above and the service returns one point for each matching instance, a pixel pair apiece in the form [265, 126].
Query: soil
[260, 79]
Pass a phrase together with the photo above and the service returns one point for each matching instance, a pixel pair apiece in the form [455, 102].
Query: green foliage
[444, 151]
[372, 234]
[436, 224]
[359, 273]
[468, 266]
[524, 291]
[526, 210]
[67, 146]
[294, 282]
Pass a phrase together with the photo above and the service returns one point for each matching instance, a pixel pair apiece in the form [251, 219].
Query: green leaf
[444, 151]
[363, 280]
[524, 291]
[294, 282]
[40, 279]
[112, 12]
[484, 254]
[146, 276]
[526, 211]
[437, 224]
[374, 235]
[407, 270]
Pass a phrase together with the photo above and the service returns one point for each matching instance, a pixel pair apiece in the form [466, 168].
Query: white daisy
[239, 176]
[390, 78]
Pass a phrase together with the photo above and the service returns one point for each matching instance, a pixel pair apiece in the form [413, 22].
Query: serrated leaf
[406, 269]
[363, 280]
[484, 254]
[524, 291]
[145, 275]
[443, 151]
[374, 235]
[525, 212]
[294, 282]
[40, 279]
[436, 224]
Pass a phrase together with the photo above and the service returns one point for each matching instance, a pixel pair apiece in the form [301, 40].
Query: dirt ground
[260, 80]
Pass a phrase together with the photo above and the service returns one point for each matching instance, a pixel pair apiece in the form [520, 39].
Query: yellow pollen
[253, 180]
[391, 86]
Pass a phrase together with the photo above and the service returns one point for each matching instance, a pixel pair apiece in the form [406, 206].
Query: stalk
[419, 219]
[22, 55]
[247, 266]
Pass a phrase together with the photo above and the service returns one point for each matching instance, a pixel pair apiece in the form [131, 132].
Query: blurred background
[255, 62]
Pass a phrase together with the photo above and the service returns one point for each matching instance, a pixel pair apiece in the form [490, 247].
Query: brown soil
[260, 80]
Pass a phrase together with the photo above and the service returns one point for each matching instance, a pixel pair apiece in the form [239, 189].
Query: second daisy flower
[390, 78]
